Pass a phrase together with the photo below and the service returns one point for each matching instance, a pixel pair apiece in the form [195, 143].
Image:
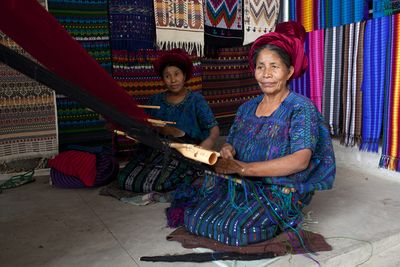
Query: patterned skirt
[249, 218]
[151, 171]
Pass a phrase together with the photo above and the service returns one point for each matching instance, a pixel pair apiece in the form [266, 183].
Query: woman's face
[174, 79]
[271, 73]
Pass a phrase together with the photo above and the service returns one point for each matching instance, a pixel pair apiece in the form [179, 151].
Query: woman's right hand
[227, 151]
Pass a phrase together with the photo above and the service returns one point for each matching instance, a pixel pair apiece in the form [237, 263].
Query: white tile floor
[43, 225]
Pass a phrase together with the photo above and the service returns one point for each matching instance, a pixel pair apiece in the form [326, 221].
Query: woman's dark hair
[171, 64]
[282, 54]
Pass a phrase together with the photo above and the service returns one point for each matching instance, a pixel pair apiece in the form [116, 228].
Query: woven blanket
[322, 14]
[139, 79]
[390, 158]
[302, 85]
[351, 89]
[88, 23]
[375, 47]
[316, 66]
[227, 83]
[179, 24]
[222, 24]
[131, 24]
[28, 126]
[260, 17]
[331, 99]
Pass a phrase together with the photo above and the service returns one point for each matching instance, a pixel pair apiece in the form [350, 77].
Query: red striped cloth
[82, 165]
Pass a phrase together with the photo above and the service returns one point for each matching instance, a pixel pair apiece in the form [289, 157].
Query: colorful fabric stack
[140, 80]
[179, 24]
[352, 97]
[302, 85]
[28, 126]
[383, 8]
[131, 25]
[260, 17]
[222, 24]
[227, 83]
[331, 100]
[373, 87]
[316, 66]
[322, 14]
[87, 22]
[390, 158]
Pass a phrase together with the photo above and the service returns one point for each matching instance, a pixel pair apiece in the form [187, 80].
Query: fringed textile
[390, 158]
[316, 63]
[227, 83]
[373, 86]
[331, 100]
[179, 24]
[260, 17]
[222, 24]
[302, 85]
[351, 89]
[87, 22]
[27, 113]
[138, 78]
[359, 80]
[131, 24]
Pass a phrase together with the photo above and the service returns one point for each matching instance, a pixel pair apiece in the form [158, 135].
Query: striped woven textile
[351, 89]
[179, 24]
[131, 24]
[88, 23]
[390, 158]
[28, 127]
[316, 66]
[322, 14]
[383, 8]
[260, 17]
[227, 83]
[302, 85]
[375, 47]
[222, 24]
[331, 100]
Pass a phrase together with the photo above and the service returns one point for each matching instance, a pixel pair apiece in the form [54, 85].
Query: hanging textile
[131, 24]
[28, 127]
[260, 17]
[350, 87]
[227, 83]
[141, 81]
[390, 158]
[316, 66]
[322, 14]
[88, 23]
[222, 24]
[331, 99]
[302, 85]
[179, 24]
[373, 86]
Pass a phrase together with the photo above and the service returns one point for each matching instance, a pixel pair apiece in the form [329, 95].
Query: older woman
[189, 110]
[282, 145]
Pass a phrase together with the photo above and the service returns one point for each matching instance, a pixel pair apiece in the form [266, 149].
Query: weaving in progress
[278, 151]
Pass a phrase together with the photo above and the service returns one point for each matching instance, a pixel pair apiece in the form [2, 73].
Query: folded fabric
[79, 164]
[279, 245]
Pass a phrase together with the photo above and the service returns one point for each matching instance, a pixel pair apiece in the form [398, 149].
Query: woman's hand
[210, 141]
[227, 151]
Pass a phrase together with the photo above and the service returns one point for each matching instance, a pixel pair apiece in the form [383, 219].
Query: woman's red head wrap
[289, 36]
[176, 55]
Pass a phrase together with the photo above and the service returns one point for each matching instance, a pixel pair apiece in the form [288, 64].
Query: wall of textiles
[353, 78]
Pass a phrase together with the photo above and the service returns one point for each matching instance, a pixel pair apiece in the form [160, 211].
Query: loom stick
[148, 106]
[208, 256]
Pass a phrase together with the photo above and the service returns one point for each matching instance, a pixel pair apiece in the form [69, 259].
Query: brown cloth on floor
[278, 245]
